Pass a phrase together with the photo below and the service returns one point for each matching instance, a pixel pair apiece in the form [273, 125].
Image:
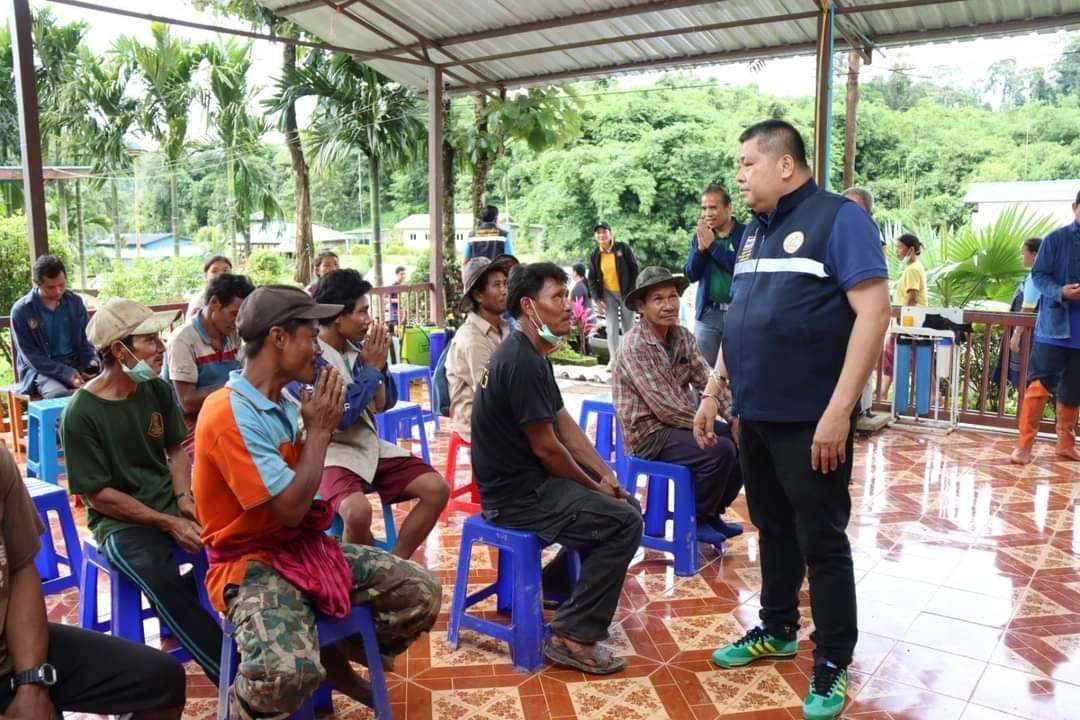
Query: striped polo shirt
[193, 359]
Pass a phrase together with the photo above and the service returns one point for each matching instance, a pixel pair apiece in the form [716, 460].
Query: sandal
[594, 660]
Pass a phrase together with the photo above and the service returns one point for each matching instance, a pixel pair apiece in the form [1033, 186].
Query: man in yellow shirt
[613, 272]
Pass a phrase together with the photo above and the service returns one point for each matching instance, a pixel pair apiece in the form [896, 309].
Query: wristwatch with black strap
[43, 674]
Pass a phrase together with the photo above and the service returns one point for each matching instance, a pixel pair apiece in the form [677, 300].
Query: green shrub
[153, 282]
[15, 260]
[265, 267]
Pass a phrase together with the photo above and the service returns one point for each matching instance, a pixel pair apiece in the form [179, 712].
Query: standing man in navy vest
[808, 316]
[710, 264]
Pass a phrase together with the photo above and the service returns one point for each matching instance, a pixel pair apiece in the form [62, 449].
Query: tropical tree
[238, 133]
[57, 74]
[543, 117]
[9, 115]
[260, 16]
[109, 115]
[965, 265]
[167, 68]
[358, 110]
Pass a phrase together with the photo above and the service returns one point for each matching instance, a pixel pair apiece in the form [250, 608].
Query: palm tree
[166, 67]
[358, 109]
[238, 134]
[109, 113]
[57, 74]
[9, 114]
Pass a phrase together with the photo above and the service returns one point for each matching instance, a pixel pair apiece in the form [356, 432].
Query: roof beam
[300, 7]
[425, 42]
[419, 55]
[942, 34]
[556, 22]
[711, 27]
[358, 54]
[643, 65]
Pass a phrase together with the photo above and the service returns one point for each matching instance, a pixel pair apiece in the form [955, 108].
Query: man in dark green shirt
[121, 434]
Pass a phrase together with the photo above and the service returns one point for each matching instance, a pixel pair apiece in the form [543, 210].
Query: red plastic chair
[470, 506]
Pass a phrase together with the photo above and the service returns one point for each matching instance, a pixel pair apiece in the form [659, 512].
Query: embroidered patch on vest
[793, 242]
[747, 248]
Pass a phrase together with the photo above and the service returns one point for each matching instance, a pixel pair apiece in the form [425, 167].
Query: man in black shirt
[537, 471]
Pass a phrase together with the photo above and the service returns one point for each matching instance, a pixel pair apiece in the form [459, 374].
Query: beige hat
[476, 268]
[119, 318]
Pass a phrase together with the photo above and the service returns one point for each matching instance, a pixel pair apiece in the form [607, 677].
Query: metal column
[823, 98]
[435, 188]
[22, 51]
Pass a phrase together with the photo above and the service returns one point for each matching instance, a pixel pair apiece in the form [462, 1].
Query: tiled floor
[968, 575]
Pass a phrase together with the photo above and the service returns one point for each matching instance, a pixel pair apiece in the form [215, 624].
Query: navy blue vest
[789, 322]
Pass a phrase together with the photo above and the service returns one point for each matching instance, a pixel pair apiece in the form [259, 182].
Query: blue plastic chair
[51, 500]
[127, 614]
[330, 630]
[682, 541]
[337, 528]
[399, 422]
[43, 453]
[609, 439]
[404, 375]
[517, 589]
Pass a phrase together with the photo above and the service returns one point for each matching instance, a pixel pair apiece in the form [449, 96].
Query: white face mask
[545, 332]
[142, 371]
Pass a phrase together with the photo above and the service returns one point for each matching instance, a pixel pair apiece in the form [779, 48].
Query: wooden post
[435, 189]
[823, 99]
[851, 118]
[22, 51]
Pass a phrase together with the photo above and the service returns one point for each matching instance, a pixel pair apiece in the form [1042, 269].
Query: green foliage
[965, 265]
[15, 259]
[153, 282]
[265, 267]
[422, 273]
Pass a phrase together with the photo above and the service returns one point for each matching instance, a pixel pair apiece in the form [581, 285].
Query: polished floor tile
[968, 582]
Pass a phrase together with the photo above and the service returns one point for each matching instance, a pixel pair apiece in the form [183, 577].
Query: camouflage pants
[275, 627]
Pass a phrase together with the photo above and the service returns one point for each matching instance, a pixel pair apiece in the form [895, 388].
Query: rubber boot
[1066, 432]
[1031, 412]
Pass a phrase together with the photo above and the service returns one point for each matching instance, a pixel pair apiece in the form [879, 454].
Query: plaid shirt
[651, 388]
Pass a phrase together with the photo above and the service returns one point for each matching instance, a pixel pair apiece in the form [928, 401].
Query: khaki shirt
[469, 351]
[358, 447]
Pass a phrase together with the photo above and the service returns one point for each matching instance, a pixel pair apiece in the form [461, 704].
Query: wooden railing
[415, 305]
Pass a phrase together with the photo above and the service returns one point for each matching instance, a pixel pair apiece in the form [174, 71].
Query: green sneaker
[825, 699]
[752, 646]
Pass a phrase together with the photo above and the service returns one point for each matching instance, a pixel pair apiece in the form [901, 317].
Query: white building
[281, 237]
[1042, 197]
[415, 232]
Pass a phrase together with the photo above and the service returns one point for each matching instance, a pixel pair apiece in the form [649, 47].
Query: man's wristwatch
[43, 674]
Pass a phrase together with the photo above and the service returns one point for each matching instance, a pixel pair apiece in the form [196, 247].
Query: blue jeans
[709, 331]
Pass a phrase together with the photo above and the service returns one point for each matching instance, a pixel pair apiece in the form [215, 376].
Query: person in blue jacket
[1055, 356]
[809, 311]
[710, 264]
[48, 327]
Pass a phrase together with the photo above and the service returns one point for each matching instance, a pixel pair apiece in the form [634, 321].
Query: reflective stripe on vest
[800, 265]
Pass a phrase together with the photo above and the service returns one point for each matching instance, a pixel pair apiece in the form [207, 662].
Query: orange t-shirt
[246, 447]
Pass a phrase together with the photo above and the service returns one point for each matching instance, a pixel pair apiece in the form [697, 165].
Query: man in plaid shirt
[652, 382]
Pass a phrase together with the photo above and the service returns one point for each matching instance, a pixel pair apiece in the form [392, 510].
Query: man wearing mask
[536, 470]
[810, 278]
[122, 436]
[613, 270]
[710, 263]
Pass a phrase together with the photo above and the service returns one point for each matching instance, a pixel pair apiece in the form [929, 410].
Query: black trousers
[801, 517]
[1058, 369]
[606, 533]
[144, 554]
[717, 479]
[103, 675]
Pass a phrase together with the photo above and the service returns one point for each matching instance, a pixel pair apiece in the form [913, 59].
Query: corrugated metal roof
[1027, 191]
[510, 43]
